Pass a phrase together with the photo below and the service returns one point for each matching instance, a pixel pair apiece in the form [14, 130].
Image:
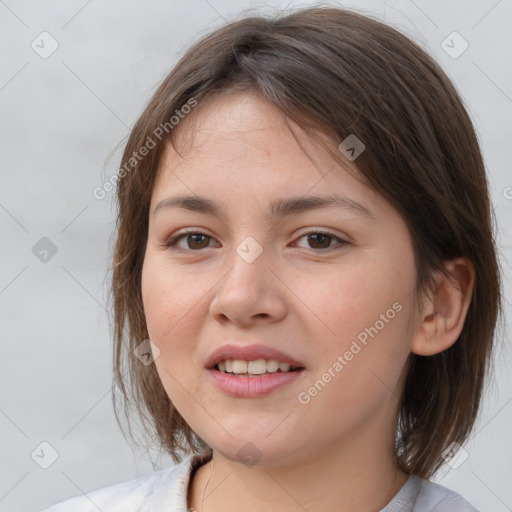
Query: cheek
[170, 298]
[348, 298]
[356, 381]
[363, 313]
[170, 303]
[175, 306]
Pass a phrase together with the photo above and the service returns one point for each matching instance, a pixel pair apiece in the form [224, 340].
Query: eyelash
[171, 242]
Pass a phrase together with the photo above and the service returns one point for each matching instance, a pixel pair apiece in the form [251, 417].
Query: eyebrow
[278, 208]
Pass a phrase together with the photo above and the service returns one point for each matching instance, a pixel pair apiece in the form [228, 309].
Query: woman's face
[338, 302]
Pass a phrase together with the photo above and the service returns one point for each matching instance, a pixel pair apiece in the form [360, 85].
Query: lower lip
[252, 386]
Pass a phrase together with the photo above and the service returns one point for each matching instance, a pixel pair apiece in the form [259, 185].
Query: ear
[443, 315]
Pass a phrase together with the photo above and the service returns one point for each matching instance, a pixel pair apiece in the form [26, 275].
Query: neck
[347, 477]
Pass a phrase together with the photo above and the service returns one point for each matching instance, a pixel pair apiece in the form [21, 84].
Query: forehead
[239, 138]
[238, 125]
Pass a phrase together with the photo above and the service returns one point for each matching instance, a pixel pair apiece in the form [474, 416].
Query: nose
[250, 292]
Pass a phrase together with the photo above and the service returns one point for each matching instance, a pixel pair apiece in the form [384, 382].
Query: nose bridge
[247, 263]
[250, 250]
[249, 289]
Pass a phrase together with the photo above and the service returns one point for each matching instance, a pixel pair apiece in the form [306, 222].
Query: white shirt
[166, 491]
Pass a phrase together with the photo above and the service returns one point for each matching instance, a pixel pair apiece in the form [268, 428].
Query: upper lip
[249, 353]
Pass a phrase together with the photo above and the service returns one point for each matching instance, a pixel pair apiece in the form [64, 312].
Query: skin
[334, 453]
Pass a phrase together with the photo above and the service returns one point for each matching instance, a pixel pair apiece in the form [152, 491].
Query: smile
[247, 385]
[255, 367]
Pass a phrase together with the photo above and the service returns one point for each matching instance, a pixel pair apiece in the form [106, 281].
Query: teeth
[284, 367]
[272, 366]
[256, 367]
[239, 366]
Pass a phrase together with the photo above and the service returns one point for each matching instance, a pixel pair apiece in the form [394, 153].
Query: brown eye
[193, 241]
[321, 241]
[197, 241]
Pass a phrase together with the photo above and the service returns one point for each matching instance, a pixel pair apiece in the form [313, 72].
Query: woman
[305, 280]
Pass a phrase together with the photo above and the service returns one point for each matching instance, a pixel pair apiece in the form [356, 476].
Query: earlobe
[444, 313]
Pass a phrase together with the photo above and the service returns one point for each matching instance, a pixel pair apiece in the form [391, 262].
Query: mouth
[251, 371]
[254, 368]
[251, 360]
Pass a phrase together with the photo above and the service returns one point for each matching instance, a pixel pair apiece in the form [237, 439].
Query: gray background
[61, 118]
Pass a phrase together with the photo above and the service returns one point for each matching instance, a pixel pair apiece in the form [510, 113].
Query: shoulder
[162, 490]
[432, 497]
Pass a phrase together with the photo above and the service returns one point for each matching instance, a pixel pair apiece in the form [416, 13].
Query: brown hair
[334, 72]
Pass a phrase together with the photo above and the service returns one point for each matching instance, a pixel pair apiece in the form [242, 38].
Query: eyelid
[322, 231]
[170, 242]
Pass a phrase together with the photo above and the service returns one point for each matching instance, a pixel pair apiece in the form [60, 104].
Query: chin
[257, 450]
